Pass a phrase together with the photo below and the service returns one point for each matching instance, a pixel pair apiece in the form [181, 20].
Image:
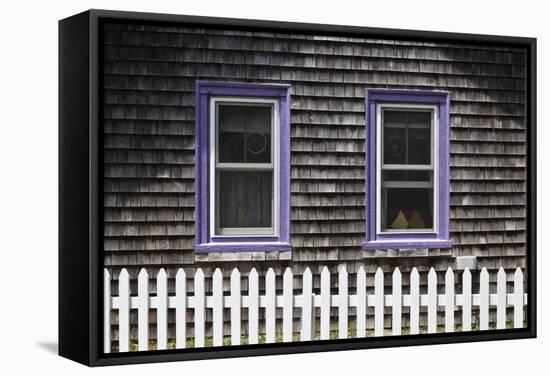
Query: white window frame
[215, 230]
[433, 166]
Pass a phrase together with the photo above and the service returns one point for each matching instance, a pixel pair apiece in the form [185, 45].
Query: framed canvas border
[81, 196]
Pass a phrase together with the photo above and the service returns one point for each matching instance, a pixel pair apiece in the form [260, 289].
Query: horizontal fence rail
[198, 301]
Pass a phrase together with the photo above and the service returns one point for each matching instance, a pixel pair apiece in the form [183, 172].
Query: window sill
[406, 244]
[254, 247]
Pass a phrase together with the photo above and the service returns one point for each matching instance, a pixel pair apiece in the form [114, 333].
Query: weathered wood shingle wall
[149, 120]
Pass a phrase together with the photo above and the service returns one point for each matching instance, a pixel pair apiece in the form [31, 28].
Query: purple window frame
[440, 237]
[265, 243]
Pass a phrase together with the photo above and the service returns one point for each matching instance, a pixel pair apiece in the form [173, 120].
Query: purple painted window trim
[203, 241]
[439, 239]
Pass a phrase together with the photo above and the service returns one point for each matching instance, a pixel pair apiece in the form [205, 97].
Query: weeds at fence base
[208, 341]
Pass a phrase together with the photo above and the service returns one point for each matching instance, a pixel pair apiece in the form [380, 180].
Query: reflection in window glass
[244, 133]
[406, 137]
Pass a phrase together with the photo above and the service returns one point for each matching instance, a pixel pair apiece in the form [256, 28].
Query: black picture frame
[80, 193]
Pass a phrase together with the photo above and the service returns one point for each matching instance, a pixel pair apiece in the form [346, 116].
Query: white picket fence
[307, 301]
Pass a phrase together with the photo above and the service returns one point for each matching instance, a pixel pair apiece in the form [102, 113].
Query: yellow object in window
[416, 221]
[400, 222]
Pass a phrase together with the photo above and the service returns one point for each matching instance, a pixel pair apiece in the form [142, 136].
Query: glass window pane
[419, 119]
[245, 199]
[407, 137]
[419, 146]
[398, 175]
[395, 137]
[407, 208]
[244, 133]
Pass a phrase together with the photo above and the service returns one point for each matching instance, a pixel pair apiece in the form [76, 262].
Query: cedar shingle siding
[149, 125]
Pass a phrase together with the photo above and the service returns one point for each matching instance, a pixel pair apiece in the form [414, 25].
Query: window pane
[395, 137]
[407, 208]
[397, 175]
[407, 137]
[245, 199]
[244, 133]
[419, 147]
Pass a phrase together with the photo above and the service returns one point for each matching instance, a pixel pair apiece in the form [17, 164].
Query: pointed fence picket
[143, 310]
[467, 300]
[396, 302]
[124, 311]
[217, 308]
[162, 310]
[484, 299]
[287, 305]
[518, 299]
[235, 307]
[361, 309]
[415, 302]
[107, 304]
[181, 307]
[432, 301]
[199, 308]
[270, 306]
[342, 303]
[307, 306]
[449, 300]
[501, 299]
[253, 307]
[379, 303]
[325, 304]
[269, 303]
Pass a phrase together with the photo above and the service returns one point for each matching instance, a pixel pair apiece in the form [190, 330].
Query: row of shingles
[174, 29]
[198, 38]
[336, 74]
[216, 49]
[234, 68]
[149, 172]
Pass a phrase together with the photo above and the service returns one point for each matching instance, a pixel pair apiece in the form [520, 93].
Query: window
[243, 181]
[407, 155]
[242, 167]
